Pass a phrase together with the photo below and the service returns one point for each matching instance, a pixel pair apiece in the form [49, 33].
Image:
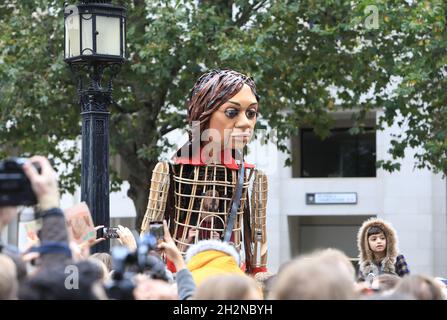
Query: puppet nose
[242, 121]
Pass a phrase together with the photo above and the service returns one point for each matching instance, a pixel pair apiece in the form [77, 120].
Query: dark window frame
[337, 129]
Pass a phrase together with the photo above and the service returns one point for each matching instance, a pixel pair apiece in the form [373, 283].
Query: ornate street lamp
[95, 46]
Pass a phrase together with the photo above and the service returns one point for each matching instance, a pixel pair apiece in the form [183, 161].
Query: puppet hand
[192, 233]
[215, 235]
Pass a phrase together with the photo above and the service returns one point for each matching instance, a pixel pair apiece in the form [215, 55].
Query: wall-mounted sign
[331, 198]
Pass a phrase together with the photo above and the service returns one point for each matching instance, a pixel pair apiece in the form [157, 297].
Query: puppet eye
[251, 113]
[231, 113]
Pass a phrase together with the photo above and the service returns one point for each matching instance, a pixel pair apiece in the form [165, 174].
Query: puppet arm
[158, 195]
[258, 223]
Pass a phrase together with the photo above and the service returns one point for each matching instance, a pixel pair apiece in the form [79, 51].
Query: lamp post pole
[95, 46]
[95, 102]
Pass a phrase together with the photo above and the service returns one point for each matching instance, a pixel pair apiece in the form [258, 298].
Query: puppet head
[223, 105]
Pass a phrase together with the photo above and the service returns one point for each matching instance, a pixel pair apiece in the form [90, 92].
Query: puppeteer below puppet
[203, 192]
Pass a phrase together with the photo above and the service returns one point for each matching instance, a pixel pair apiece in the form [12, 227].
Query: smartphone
[157, 230]
[110, 233]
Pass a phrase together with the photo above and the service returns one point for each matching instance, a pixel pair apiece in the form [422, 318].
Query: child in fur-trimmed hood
[378, 246]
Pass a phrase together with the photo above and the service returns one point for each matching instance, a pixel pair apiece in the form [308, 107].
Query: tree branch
[164, 92]
[245, 16]
[124, 111]
[166, 128]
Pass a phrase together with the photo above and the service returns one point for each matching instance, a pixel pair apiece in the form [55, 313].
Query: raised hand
[126, 238]
[44, 184]
[171, 250]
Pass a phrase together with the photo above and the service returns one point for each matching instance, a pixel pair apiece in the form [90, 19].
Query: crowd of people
[56, 268]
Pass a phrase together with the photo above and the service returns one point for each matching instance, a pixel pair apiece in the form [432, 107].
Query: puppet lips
[244, 138]
[241, 135]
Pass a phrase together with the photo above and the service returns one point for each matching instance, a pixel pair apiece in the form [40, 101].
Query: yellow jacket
[210, 262]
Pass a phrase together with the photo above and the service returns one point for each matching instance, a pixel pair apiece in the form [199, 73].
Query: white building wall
[121, 206]
[439, 201]
[408, 201]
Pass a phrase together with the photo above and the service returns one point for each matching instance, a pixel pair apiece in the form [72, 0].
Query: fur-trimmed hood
[366, 258]
[216, 245]
[210, 258]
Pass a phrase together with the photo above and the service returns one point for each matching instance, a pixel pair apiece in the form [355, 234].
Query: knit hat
[212, 257]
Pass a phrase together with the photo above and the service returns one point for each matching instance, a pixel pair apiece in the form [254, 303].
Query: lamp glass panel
[124, 37]
[72, 36]
[87, 34]
[108, 35]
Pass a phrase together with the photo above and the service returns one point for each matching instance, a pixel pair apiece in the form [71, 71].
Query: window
[339, 155]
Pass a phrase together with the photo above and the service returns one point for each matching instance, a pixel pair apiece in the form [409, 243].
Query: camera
[126, 264]
[15, 187]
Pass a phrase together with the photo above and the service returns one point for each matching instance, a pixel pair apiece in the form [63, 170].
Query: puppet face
[231, 126]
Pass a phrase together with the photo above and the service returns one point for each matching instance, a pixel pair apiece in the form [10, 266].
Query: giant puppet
[203, 192]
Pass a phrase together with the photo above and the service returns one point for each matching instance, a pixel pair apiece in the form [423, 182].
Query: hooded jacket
[212, 257]
[393, 262]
